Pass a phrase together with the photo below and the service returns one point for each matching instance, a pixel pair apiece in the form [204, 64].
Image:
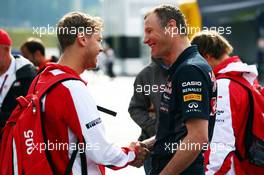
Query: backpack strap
[83, 161]
[57, 79]
[249, 125]
[51, 83]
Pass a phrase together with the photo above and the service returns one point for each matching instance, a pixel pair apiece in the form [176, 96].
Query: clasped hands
[141, 153]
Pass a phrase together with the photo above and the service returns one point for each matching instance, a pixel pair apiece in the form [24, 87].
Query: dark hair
[167, 12]
[33, 45]
[73, 23]
[211, 43]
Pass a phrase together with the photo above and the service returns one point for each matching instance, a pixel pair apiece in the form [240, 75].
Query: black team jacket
[25, 73]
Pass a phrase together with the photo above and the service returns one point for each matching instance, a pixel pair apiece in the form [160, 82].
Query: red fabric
[225, 63]
[206, 155]
[43, 65]
[239, 102]
[102, 169]
[251, 169]
[226, 166]
[4, 38]
[27, 134]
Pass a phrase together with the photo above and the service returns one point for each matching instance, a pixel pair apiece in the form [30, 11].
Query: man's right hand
[141, 153]
[149, 143]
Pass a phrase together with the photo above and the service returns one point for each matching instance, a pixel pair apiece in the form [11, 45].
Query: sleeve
[98, 148]
[139, 106]
[193, 89]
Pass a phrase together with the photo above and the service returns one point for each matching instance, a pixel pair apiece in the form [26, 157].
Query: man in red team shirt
[69, 111]
[232, 107]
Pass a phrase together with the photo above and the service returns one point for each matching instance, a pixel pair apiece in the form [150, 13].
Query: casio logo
[191, 83]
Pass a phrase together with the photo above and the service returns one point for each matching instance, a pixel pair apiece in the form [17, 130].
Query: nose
[146, 39]
[101, 47]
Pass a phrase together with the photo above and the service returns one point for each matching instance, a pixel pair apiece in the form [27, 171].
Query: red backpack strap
[53, 82]
[33, 84]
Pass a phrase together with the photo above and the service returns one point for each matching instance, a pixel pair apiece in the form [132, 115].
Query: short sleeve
[193, 88]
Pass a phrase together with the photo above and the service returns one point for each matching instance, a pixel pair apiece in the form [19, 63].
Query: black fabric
[190, 93]
[83, 161]
[24, 77]
[159, 162]
[71, 162]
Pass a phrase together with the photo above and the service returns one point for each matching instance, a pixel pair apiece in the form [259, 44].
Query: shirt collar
[186, 54]
[225, 63]
[52, 66]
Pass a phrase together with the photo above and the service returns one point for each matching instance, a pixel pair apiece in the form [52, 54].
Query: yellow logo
[197, 97]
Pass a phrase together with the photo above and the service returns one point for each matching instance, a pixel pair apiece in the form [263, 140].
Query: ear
[207, 57]
[37, 53]
[171, 25]
[210, 59]
[81, 39]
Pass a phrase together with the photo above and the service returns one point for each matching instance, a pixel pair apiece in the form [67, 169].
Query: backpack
[254, 137]
[24, 131]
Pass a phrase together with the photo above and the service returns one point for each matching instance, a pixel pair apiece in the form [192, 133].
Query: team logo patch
[213, 106]
[193, 105]
[93, 123]
[191, 83]
[197, 97]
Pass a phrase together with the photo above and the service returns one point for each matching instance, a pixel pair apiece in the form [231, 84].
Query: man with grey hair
[187, 106]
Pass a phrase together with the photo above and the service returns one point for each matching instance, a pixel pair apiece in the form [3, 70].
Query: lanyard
[2, 86]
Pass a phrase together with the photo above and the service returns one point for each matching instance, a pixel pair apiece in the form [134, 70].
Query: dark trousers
[147, 165]
[159, 163]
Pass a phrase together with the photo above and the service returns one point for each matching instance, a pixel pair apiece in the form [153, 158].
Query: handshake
[141, 151]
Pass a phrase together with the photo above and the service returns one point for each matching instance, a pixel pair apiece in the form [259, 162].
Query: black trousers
[160, 162]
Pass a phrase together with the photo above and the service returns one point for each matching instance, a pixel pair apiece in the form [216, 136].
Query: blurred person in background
[34, 50]
[109, 61]
[16, 74]
[145, 102]
[233, 107]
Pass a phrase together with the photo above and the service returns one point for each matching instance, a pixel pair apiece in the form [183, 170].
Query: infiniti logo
[193, 105]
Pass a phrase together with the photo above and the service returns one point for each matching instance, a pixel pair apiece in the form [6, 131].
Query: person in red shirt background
[232, 107]
[33, 49]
